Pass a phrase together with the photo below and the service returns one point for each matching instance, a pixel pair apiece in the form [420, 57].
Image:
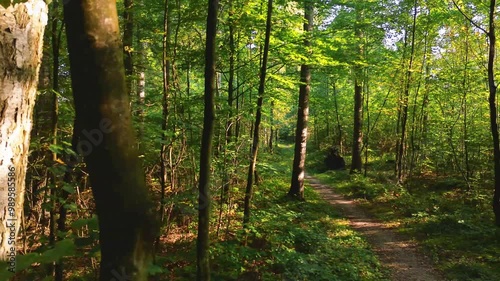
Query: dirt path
[397, 254]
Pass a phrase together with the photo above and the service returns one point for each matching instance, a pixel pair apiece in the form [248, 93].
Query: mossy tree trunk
[107, 141]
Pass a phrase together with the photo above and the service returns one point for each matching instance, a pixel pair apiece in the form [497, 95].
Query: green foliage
[453, 223]
[287, 240]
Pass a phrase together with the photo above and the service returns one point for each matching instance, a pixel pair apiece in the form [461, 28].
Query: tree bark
[165, 110]
[21, 39]
[357, 136]
[493, 110]
[299, 159]
[404, 103]
[202, 243]
[258, 117]
[126, 221]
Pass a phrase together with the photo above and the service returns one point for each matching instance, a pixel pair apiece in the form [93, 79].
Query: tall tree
[124, 208]
[165, 109]
[21, 41]
[258, 117]
[493, 108]
[299, 159]
[357, 136]
[203, 259]
[403, 110]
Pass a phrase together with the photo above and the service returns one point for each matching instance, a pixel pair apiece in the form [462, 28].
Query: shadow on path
[399, 255]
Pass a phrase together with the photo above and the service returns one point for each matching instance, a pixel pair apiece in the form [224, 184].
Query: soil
[398, 254]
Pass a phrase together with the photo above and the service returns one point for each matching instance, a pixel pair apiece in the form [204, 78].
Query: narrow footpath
[397, 254]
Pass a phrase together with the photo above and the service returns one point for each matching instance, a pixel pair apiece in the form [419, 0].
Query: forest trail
[399, 255]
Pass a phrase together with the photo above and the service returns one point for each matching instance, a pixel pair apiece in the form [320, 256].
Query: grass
[454, 224]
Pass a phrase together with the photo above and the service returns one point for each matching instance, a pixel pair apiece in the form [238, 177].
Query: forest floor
[398, 254]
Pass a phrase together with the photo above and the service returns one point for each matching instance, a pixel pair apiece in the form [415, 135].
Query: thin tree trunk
[21, 29]
[230, 99]
[357, 137]
[128, 39]
[493, 110]
[127, 223]
[165, 112]
[272, 131]
[404, 103]
[258, 117]
[202, 242]
[56, 192]
[368, 123]
[299, 160]
[415, 149]
[337, 117]
[465, 88]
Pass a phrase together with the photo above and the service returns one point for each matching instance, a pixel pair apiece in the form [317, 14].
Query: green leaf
[25, 261]
[68, 188]
[62, 248]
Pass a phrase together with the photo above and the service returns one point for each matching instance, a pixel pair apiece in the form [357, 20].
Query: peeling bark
[21, 40]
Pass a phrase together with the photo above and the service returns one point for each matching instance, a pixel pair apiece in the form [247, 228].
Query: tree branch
[470, 19]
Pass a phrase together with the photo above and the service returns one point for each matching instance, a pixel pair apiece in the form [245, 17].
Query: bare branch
[470, 19]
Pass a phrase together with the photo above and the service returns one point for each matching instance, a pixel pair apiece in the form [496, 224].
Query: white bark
[21, 39]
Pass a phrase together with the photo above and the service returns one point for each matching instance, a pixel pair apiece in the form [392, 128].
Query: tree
[21, 40]
[124, 208]
[203, 259]
[403, 110]
[258, 117]
[493, 108]
[492, 87]
[357, 138]
[299, 159]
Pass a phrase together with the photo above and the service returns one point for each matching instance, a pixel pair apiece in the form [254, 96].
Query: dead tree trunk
[21, 39]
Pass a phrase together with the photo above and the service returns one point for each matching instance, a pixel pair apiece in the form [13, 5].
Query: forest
[249, 140]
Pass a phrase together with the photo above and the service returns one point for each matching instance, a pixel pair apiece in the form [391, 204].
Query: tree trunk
[357, 136]
[270, 146]
[299, 159]
[258, 117]
[55, 191]
[21, 39]
[493, 110]
[165, 110]
[404, 103]
[128, 40]
[337, 117]
[124, 209]
[202, 243]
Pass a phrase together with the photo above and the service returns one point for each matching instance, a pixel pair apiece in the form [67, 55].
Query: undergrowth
[453, 223]
[287, 240]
